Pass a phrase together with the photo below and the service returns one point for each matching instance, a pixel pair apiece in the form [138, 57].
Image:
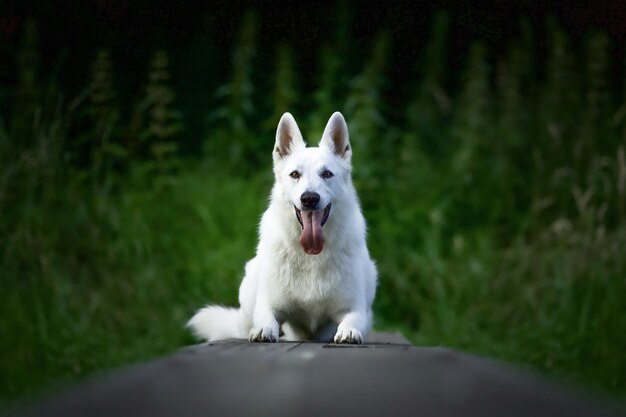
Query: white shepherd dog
[312, 277]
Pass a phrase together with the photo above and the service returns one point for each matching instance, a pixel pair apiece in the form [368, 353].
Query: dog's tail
[219, 323]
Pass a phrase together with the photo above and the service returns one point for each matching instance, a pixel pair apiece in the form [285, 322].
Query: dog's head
[311, 179]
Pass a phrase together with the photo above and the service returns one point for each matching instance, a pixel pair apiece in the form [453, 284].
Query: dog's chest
[310, 288]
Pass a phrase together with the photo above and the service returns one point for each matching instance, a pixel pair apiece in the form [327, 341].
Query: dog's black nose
[310, 199]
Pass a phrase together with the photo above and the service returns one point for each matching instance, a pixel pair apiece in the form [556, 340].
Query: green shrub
[494, 197]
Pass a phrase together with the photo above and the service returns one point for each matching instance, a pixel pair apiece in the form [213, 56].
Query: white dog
[312, 276]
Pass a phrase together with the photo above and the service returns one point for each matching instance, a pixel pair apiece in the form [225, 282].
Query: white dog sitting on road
[312, 277]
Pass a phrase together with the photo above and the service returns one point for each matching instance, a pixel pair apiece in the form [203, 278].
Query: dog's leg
[353, 325]
[265, 327]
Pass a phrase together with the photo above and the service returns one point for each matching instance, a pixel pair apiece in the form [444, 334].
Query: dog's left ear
[336, 137]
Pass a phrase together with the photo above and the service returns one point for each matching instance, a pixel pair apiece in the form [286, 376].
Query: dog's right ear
[288, 137]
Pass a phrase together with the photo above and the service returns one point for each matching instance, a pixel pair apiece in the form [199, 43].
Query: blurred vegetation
[495, 199]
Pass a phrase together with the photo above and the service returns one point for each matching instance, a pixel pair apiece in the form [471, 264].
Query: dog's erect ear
[336, 137]
[288, 137]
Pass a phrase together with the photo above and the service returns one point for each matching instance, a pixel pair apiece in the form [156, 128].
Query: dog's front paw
[350, 336]
[263, 334]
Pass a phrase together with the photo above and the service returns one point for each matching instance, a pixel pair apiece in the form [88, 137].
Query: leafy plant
[494, 197]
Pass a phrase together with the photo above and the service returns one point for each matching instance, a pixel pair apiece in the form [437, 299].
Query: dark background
[489, 157]
[199, 35]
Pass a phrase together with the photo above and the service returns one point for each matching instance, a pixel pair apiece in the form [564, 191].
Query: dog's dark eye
[295, 174]
[327, 174]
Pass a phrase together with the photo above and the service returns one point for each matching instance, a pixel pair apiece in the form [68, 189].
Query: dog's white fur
[309, 297]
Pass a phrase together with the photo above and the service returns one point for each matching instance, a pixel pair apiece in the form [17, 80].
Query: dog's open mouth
[312, 221]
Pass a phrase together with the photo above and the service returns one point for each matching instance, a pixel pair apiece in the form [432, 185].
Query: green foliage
[495, 203]
[364, 107]
[333, 80]
[102, 112]
[236, 106]
[164, 121]
[431, 102]
[325, 96]
[560, 98]
[284, 95]
[155, 123]
[102, 92]
[113, 277]
[27, 90]
[597, 98]
[473, 114]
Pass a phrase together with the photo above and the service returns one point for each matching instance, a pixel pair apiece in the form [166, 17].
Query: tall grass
[494, 202]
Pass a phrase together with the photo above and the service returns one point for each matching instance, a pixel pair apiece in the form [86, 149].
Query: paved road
[385, 377]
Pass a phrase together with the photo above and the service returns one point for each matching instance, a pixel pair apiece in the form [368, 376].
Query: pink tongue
[312, 239]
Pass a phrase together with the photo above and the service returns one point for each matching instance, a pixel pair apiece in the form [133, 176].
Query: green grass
[113, 276]
[495, 208]
[553, 306]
